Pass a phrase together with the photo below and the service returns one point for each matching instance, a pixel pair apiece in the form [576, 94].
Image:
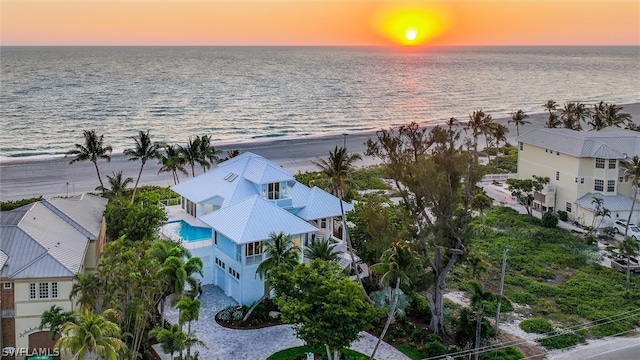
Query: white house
[227, 212]
[581, 165]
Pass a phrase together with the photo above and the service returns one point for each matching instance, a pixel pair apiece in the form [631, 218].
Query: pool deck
[225, 344]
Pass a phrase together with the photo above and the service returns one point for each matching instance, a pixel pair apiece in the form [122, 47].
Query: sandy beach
[53, 176]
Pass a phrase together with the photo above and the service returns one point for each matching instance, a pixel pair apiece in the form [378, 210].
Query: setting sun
[411, 34]
[411, 24]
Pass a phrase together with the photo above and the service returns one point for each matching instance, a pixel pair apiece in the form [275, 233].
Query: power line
[551, 334]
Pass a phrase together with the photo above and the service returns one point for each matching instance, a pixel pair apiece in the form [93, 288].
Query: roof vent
[231, 176]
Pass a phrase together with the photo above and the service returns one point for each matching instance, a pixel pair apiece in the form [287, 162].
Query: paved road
[627, 348]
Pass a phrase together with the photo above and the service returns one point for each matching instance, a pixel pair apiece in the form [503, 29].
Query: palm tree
[336, 171]
[172, 161]
[598, 117]
[117, 185]
[553, 121]
[279, 250]
[208, 154]
[92, 334]
[143, 151]
[614, 117]
[93, 149]
[628, 248]
[54, 319]
[481, 123]
[86, 290]
[572, 114]
[500, 134]
[518, 118]
[321, 249]
[451, 123]
[478, 300]
[189, 311]
[231, 154]
[191, 153]
[632, 170]
[600, 212]
[172, 340]
[177, 273]
[397, 265]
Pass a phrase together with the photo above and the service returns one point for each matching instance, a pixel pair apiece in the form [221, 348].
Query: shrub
[549, 220]
[561, 340]
[433, 348]
[419, 307]
[536, 325]
[508, 353]
[523, 297]
[562, 215]
[10, 205]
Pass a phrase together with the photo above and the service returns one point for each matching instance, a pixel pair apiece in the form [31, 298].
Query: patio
[224, 344]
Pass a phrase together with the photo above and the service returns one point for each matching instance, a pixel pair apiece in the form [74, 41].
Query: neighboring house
[42, 246]
[581, 165]
[228, 212]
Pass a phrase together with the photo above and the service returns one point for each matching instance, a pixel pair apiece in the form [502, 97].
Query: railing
[498, 177]
[170, 202]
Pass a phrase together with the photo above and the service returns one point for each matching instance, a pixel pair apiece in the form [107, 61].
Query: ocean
[48, 95]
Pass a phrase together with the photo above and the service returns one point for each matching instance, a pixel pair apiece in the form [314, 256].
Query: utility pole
[344, 141]
[504, 267]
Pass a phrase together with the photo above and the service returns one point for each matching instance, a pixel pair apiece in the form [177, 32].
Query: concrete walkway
[226, 344]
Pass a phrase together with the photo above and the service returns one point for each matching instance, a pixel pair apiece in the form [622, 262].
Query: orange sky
[318, 22]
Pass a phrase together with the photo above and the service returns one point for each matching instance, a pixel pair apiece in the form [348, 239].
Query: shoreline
[51, 175]
[633, 108]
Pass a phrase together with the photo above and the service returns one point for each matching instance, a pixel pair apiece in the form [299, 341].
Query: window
[599, 163]
[611, 185]
[557, 175]
[274, 191]
[189, 206]
[43, 291]
[520, 145]
[568, 207]
[234, 273]
[215, 238]
[599, 185]
[612, 163]
[558, 153]
[253, 253]
[546, 150]
[323, 223]
[581, 180]
[6, 286]
[623, 178]
[220, 263]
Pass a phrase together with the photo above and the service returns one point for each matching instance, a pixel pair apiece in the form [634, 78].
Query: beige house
[581, 165]
[42, 246]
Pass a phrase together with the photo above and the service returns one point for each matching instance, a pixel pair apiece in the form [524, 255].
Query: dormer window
[273, 191]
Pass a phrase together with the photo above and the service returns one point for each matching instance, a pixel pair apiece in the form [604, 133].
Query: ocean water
[48, 95]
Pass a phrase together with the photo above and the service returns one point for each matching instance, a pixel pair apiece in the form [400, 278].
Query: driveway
[226, 344]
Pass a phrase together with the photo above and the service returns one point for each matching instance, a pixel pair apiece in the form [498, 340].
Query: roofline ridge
[66, 218]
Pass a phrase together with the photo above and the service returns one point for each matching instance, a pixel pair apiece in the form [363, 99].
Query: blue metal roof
[255, 219]
[320, 204]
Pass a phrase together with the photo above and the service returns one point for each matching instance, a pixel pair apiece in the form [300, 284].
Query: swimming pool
[188, 232]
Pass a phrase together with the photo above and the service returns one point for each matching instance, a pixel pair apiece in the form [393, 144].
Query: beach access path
[53, 176]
